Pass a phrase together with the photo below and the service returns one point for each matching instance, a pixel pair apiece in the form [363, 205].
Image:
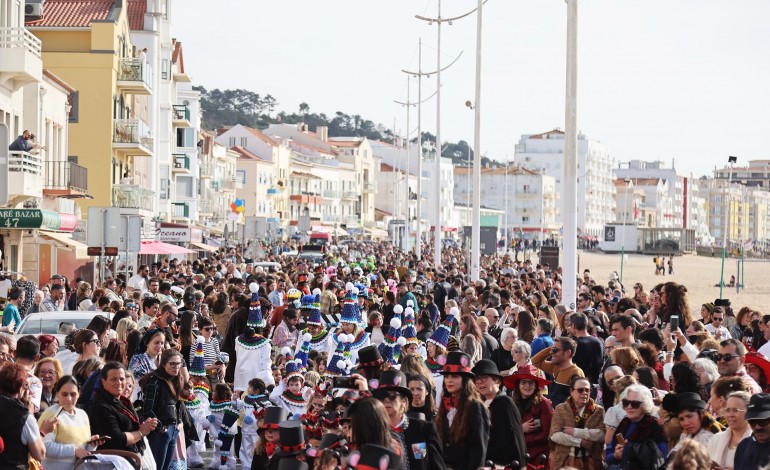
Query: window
[165, 72]
[73, 102]
[241, 174]
[185, 137]
[244, 141]
[231, 142]
[184, 187]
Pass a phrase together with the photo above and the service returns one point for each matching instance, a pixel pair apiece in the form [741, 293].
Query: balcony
[204, 208]
[25, 174]
[20, 58]
[131, 137]
[231, 183]
[132, 196]
[330, 194]
[65, 179]
[305, 198]
[350, 195]
[331, 218]
[134, 76]
[181, 163]
[216, 184]
[370, 187]
[180, 210]
[181, 115]
[351, 220]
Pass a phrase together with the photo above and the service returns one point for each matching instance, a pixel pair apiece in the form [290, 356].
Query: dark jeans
[162, 446]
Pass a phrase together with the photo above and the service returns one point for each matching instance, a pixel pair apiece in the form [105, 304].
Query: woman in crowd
[370, 426]
[502, 356]
[758, 367]
[187, 323]
[21, 436]
[71, 439]
[83, 296]
[162, 389]
[535, 409]
[696, 423]
[673, 298]
[49, 346]
[422, 396]
[742, 325]
[707, 371]
[706, 310]
[638, 426]
[577, 429]
[49, 372]
[374, 328]
[100, 325]
[722, 446]
[470, 339]
[83, 369]
[86, 345]
[615, 414]
[123, 328]
[626, 358]
[148, 353]
[112, 414]
[526, 325]
[721, 388]
[462, 421]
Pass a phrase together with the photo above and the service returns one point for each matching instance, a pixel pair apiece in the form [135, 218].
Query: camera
[344, 382]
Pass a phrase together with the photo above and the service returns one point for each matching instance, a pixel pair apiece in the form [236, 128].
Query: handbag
[148, 461]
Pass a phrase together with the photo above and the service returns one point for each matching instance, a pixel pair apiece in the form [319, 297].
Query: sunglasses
[582, 390]
[726, 357]
[759, 422]
[555, 350]
[208, 328]
[716, 319]
[635, 404]
[98, 343]
[391, 396]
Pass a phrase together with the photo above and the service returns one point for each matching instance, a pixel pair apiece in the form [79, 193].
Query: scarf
[433, 366]
[646, 428]
[270, 448]
[580, 419]
[449, 402]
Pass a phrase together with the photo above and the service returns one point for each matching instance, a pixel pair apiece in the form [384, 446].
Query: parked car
[48, 322]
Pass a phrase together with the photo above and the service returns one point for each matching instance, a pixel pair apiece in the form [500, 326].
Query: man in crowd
[139, 280]
[732, 357]
[622, 328]
[560, 366]
[589, 354]
[11, 315]
[55, 300]
[754, 451]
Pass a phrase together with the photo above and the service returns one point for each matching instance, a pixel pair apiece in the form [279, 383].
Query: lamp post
[731, 161]
[569, 289]
[623, 235]
[437, 202]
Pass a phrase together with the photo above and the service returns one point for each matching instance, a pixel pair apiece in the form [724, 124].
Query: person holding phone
[71, 439]
[637, 428]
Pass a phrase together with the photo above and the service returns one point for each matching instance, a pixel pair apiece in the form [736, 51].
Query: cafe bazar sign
[22, 219]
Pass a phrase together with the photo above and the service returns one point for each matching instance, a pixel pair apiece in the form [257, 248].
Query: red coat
[537, 441]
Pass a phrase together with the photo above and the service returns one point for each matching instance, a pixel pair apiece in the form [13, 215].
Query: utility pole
[731, 161]
[476, 230]
[569, 288]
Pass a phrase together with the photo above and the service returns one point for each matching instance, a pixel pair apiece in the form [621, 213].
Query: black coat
[473, 454]
[506, 434]
[107, 419]
[423, 435]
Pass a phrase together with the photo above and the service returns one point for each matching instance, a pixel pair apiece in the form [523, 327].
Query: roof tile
[73, 13]
[136, 11]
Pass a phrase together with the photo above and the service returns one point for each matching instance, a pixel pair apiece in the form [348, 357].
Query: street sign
[104, 226]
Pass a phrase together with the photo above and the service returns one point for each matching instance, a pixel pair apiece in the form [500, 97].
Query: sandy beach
[699, 274]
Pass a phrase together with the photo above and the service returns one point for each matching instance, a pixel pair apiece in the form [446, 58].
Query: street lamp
[623, 235]
[731, 161]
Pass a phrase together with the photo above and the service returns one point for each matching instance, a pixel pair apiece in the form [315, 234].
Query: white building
[528, 199]
[596, 191]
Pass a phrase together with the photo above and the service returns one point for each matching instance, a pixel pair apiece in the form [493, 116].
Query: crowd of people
[377, 359]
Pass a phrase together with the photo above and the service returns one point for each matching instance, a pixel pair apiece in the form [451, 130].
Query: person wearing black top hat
[754, 451]
[463, 420]
[292, 443]
[419, 438]
[269, 436]
[506, 437]
[370, 362]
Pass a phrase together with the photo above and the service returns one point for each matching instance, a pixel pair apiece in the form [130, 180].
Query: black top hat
[273, 417]
[689, 400]
[457, 363]
[332, 441]
[486, 367]
[292, 464]
[369, 357]
[292, 438]
[759, 407]
[371, 457]
[392, 380]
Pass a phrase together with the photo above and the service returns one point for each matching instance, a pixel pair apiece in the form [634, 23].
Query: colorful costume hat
[227, 432]
[198, 366]
[456, 363]
[390, 348]
[255, 319]
[409, 332]
[440, 337]
[307, 301]
[304, 349]
[350, 311]
[294, 367]
[339, 365]
[314, 311]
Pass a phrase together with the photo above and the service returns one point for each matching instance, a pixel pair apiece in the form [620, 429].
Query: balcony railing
[181, 112]
[350, 195]
[232, 183]
[206, 169]
[66, 175]
[24, 162]
[204, 206]
[180, 210]
[351, 220]
[331, 218]
[131, 196]
[181, 162]
[135, 69]
[370, 187]
[131, 131]
[330, 194]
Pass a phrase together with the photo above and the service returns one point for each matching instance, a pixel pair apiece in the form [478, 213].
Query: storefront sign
[36, 218]
[173, 234]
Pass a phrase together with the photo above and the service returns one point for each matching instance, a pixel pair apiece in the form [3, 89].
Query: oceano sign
[173, 235]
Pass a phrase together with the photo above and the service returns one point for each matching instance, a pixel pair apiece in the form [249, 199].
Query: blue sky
[658, 79]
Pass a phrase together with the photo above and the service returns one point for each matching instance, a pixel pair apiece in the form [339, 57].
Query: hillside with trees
[223, 108]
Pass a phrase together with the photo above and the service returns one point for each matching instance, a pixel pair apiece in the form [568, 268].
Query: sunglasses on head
[635, 404]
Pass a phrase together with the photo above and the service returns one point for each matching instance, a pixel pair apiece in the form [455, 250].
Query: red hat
[524, 373]
[760, 361]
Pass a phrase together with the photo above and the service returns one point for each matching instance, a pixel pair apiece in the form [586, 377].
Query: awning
[376, 232]
[81, 249]
[340, 232]
[160, 248]
[203, 246]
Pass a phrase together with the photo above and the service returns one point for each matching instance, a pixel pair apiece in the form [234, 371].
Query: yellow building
[88, 45]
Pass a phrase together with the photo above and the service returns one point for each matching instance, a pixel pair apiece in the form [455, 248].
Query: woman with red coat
[535, 409]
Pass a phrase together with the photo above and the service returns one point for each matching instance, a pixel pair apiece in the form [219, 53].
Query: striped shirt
[210, 352]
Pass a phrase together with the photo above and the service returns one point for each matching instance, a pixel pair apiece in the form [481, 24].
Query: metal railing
[66, 175]
[181, 112]
[134, 69]
[331, 218]
[181, 161]
[25, 162]
[233, 182]
[180, 209]
[13, 37]
[370, 187]
[330, 194]
[204, 205]
[350, 194]
[351, 220]
[132, 196]
[131, 131]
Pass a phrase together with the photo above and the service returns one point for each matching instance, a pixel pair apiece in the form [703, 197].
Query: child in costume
[198, 405]
[252, 352]
[315, 327]
[437, 347]
[409, 333]
[222, 418]
[350, 324]
[290, 393]
[269, 437]
[254, 403]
